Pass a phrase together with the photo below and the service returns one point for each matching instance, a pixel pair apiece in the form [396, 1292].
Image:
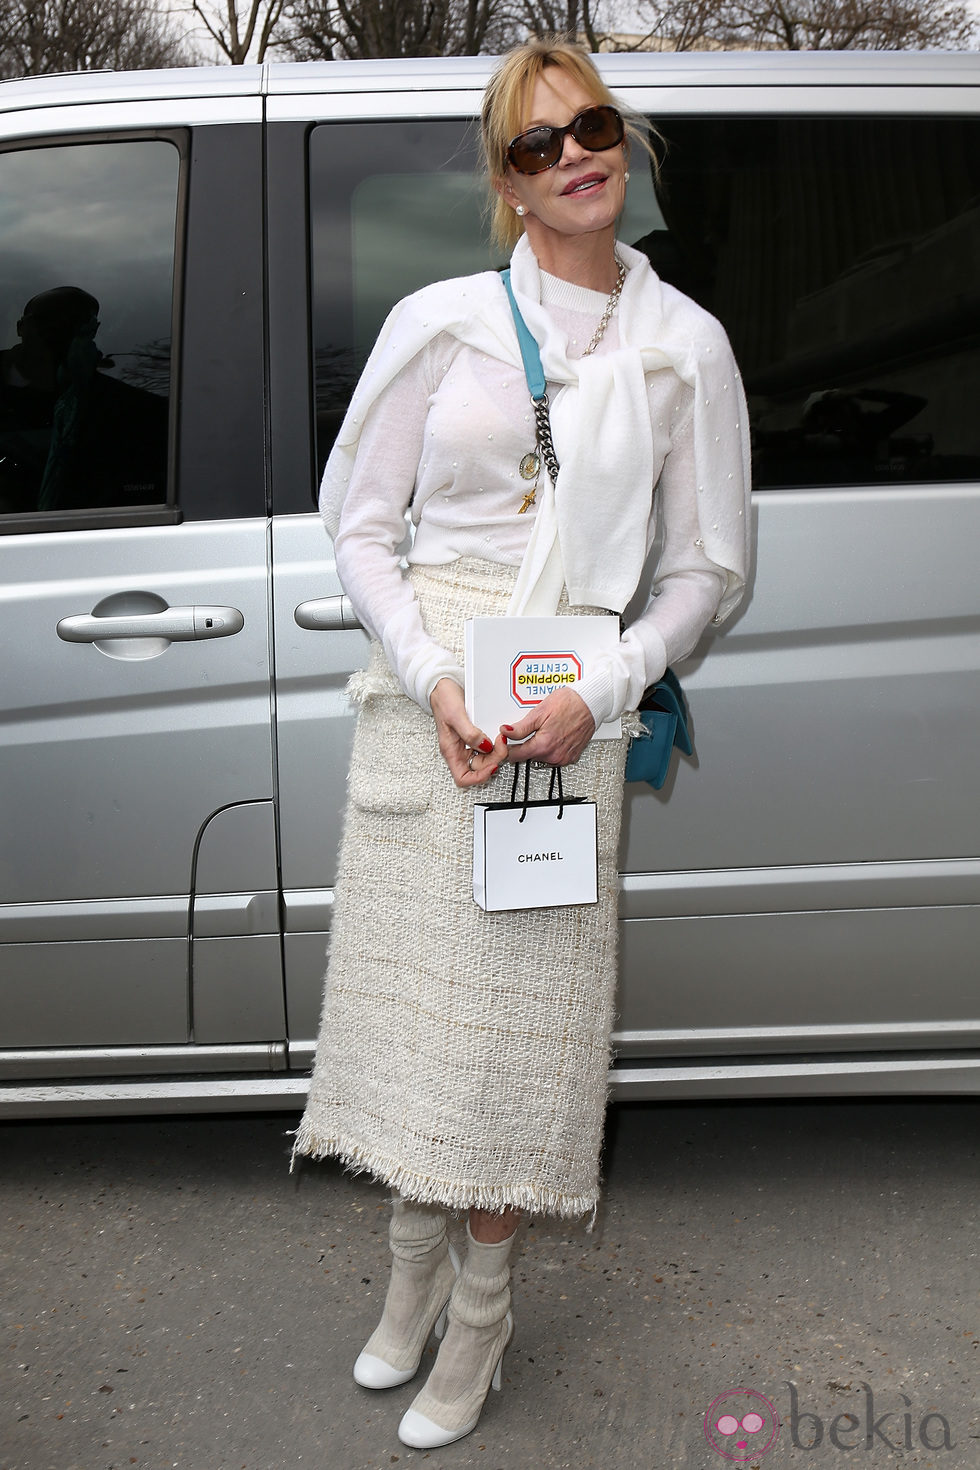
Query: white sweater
[445, 437]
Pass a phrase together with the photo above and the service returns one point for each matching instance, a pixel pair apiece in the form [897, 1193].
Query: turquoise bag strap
[533, 370]
[536, 385]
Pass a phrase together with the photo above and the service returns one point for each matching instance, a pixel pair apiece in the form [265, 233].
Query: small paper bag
[535, 854]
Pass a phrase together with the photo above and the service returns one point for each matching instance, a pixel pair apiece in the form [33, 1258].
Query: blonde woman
[463, 1055]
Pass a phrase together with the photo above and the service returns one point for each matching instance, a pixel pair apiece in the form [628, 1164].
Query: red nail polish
[506, 727]
[486, 746]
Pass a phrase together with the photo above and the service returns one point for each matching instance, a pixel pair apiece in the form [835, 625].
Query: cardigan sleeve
[687, 590]
[373, 527]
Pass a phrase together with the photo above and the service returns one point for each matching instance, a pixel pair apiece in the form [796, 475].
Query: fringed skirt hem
[449, 1193]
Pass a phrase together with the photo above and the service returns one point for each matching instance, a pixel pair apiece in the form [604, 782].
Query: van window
[839, 253]
[87, 235]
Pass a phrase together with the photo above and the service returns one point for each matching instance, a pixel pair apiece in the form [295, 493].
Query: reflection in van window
[86, 285]
[414, 200]
[840, 253]
[372, 242]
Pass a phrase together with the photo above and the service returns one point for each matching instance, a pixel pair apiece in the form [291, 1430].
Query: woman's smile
[590, 182]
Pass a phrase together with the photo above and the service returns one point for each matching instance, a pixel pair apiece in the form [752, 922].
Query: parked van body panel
[800, 903]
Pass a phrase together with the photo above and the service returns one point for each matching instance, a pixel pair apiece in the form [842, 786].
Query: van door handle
[327, 614]
[176, 624]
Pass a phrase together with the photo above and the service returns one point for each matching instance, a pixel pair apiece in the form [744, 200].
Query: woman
[457, 1061]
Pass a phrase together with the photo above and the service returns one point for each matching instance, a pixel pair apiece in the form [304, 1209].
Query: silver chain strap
[542, 421]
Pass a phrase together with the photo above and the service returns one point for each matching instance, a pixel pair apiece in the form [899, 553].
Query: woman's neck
[582, 260]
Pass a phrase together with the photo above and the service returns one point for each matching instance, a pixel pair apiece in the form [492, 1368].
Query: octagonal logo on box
[533, 676]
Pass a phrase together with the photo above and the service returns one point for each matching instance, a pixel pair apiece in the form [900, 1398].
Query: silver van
[193, 265]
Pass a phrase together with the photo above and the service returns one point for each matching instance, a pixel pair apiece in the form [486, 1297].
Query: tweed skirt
[463, 1056]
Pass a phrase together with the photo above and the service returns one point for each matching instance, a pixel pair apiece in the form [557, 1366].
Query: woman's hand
[472, 757]
[559, 728]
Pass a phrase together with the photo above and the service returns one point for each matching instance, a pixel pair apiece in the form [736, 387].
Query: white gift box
[512, 664]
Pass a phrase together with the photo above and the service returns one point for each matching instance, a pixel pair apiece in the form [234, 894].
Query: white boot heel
[496, 1381]
[443, 1317]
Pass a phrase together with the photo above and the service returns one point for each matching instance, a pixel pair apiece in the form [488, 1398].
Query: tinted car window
[87, 237]
[838, 252]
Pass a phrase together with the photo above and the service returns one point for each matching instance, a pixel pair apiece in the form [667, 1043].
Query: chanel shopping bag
[535, 854]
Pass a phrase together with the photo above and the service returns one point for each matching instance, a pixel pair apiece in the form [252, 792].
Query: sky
[630, 22]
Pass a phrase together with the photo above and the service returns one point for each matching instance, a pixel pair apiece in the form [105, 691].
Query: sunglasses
[595, 129]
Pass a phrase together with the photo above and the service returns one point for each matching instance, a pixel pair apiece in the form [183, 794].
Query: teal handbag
[663, 711]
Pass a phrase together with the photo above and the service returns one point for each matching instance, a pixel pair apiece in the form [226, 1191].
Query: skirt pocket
[392, 763]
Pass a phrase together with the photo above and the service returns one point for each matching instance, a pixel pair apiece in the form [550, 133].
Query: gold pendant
[528, 500]
[530, 465]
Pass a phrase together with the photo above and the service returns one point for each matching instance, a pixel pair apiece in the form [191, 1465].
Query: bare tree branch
[334, 29]
[38, 36]
[235, 33]
[812, 25]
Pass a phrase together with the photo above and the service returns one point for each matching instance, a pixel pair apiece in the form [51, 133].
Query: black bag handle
[555, 779]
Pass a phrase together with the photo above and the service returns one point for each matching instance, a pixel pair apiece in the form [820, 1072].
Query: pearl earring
[626, 176]
[519, 211]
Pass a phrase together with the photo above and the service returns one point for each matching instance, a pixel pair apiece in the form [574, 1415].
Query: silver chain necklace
[530, 466]
[610, 307]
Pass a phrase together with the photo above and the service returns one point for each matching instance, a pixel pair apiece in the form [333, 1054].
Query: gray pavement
[173, 1298]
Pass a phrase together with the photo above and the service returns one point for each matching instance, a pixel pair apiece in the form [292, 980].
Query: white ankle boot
[423, 1269]
[469, 1360]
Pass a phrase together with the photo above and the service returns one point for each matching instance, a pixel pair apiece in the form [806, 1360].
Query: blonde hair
[505, 104]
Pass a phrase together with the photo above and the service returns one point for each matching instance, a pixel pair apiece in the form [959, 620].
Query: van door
[138, 848]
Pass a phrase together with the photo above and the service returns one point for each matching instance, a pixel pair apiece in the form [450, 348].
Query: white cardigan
[441, 419]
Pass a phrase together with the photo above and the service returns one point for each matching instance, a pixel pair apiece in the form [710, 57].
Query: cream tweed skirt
[462, 1056]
